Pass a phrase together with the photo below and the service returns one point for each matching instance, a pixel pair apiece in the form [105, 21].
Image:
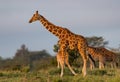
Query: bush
[25, 69]
[1, 74]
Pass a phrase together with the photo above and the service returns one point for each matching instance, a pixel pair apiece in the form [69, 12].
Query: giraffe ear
[36, 12]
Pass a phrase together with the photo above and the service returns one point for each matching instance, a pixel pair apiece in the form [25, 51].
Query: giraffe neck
[56, 30]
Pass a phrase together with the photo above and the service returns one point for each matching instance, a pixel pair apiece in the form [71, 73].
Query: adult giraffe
[67, 39]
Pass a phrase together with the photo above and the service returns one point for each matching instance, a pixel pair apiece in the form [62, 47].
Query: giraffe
[62, 60]
[110, 56]
[67, 39]
[103, 55]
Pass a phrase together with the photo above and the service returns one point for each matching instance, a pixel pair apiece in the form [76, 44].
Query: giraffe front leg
[84, 57]
[83, 53]
[84, 67]
[62, 68]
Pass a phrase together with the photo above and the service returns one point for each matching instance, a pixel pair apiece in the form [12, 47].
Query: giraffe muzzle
[30, 21]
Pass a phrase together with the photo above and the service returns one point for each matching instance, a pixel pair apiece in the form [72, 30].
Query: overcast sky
[84, 17]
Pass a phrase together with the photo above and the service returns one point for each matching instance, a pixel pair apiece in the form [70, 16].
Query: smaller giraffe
[110, 57]
[102, 55]
[62, 60]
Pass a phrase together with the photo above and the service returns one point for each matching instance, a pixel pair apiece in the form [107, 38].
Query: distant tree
[24, 58]
[56, 48]
[36, 55]
[22, 51]
[96, 41]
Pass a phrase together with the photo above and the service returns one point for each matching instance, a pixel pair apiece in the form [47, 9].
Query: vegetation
[51, 74]
[40, 66]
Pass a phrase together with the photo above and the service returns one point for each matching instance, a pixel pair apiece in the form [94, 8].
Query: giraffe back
[103, 53]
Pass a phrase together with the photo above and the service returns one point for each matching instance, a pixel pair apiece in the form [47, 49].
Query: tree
[56, 48]
[22, 51]
[96, 41]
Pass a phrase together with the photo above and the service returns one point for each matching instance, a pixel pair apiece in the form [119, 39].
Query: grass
[53, 75]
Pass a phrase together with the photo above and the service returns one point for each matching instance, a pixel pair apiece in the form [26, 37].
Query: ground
[52, 75]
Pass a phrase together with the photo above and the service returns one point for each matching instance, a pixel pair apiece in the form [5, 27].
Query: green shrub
[1, 74]
[25, 69]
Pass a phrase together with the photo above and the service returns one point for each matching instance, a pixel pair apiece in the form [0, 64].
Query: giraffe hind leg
[67, 63]
[92, 62]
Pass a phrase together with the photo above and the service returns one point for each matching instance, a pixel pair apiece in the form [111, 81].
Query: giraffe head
[35, 17]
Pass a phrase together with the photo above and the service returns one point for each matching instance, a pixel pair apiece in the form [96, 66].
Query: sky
[83, 17]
